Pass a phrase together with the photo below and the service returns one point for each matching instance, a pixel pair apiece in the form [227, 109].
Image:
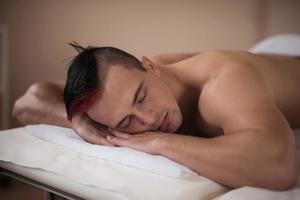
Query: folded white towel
[68, 139]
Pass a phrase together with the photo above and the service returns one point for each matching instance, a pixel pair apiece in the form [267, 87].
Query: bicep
[238, 100]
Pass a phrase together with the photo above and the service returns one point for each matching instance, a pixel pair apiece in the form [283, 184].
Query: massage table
[58, 161]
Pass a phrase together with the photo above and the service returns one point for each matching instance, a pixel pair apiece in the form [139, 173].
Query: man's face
[134, 101]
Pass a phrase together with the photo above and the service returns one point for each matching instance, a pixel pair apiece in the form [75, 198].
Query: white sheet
[68, 139]
[23, 149]
[118, 181]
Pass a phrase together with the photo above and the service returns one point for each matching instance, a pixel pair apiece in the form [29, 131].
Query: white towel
[283, 44]
[68, 139]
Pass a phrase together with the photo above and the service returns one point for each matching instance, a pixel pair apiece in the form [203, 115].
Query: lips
[164, 120]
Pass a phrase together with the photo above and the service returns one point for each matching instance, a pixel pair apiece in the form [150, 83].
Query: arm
[244, 158]
[43, 104]
[257, 148]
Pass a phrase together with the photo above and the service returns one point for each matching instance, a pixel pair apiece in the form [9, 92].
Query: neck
[185, 94]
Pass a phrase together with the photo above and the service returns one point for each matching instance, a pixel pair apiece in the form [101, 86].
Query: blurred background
[38, 31]
[34, 35]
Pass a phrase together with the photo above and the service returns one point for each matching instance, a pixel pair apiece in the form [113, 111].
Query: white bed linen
[93, 178]
[20, 148]
[63, 183]
[68, 139]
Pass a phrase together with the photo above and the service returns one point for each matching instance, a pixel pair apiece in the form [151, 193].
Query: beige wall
[39, 30]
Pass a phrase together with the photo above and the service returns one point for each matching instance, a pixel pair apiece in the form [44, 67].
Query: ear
[150, 66]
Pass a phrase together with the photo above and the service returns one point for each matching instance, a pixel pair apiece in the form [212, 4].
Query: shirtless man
[233, 112]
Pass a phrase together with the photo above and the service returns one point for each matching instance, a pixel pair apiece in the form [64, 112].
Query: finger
[120, 134]
[96, 138]
[105, 142]
[89, 133]
[103, 133]
[102, 130]
[93, 139]
[117, 141]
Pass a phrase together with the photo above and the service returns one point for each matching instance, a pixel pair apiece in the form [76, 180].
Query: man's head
[117, 90]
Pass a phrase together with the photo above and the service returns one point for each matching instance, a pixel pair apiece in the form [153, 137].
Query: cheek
[159, 98]
[99, 117]
[160, 102]
[92, 113]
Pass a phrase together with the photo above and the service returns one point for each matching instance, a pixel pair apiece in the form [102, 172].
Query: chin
[172, 129]
[175, 123]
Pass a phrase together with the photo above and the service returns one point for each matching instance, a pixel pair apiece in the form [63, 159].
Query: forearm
[234, 160]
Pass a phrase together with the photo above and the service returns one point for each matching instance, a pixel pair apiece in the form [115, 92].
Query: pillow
[68, 139]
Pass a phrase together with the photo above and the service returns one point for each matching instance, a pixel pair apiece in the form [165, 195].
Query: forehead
[117, 94]
[120, 78]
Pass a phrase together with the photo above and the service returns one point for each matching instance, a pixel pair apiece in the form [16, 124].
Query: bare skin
[243, 105]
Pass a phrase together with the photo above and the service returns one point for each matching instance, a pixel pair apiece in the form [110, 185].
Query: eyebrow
[136, 94]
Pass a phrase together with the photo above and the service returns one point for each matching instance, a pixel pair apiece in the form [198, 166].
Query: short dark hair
[87, 74]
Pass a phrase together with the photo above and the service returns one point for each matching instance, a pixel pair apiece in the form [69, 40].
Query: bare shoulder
[212, 57]
[46, 90]
[171, 58]
[47, 85]
[236, 98]
[216, 61]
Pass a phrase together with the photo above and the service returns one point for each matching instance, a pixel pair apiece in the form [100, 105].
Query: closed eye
[131, 116]
[136, 100]
[143, 98]
[129, 121]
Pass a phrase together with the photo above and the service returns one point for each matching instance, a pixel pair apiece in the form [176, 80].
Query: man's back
[278, 76]
[281, 76]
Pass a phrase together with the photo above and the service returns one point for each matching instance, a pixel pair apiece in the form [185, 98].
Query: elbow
[23, 104]
[275, 179]
[290, 181]
[285, 168]
[286, 177]
[18, 108]
[18, 111]
[283, 172]
[282, 180]
[287, 164]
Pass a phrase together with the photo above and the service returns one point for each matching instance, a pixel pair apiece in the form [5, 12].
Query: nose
[146, 117]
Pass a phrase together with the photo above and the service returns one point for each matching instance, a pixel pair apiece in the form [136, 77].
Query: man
[233, 112]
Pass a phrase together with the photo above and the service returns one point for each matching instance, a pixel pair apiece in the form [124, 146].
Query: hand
[148, 142]
[89, 130]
